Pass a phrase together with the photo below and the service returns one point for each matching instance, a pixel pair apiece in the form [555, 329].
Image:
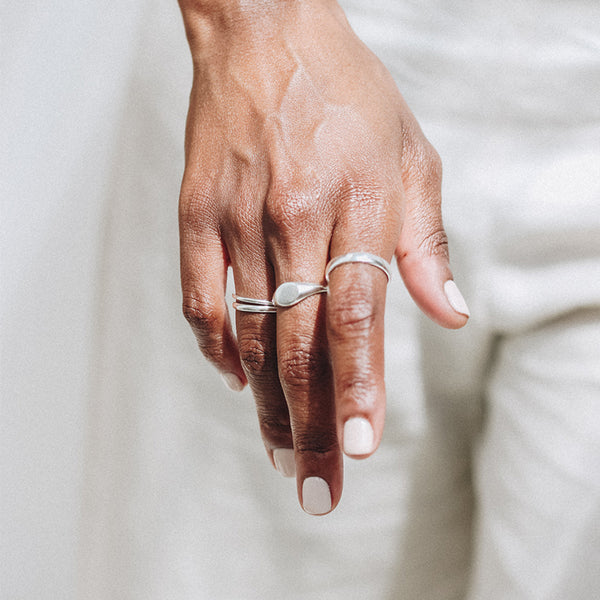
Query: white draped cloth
[130, 472]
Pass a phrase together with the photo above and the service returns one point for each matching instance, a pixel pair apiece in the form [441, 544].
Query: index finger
[355, 329]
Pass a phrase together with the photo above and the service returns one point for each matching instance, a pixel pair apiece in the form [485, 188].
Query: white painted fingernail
[285, 462]
[455, 298]
[232, 381]
[358, 436]
[316, 497]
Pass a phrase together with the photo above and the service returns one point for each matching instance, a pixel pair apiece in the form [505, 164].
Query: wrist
[210, 22]
[225, 15]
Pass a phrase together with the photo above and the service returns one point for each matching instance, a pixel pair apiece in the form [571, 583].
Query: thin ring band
[254, 308]
[255, 301]
[359, 257]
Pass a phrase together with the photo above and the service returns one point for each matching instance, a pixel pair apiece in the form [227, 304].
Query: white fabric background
[128, 470]
[64, 73]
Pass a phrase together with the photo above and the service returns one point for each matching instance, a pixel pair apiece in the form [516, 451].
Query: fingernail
[358, 436]
[455, 298]
[316, 497]
[284, 461]
[232, 381]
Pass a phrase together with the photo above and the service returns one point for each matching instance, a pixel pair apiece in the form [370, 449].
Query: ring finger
[257, 343]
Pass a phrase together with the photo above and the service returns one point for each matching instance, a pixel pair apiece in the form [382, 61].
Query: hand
[300, 148]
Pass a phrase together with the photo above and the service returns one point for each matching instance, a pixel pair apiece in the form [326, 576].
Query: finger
[305, 376]
[355, 329]
[422, 250]
[299, 254]
[204, 264]
[257, 343]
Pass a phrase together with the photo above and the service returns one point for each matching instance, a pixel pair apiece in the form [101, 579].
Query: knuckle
[258, 358]
[365, 205]
[435, 243]
[289, 209]
[314, 439]
[274, 426]
[301, 364]
[204, 318]
[432, 163]
[354, 386]
[352, 313]
[200, 312]
[423, 161]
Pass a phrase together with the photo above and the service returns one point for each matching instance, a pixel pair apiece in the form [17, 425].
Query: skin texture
[300, 148]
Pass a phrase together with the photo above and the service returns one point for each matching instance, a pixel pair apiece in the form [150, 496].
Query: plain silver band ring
[255, 301]
[359, 257]
[254, 308]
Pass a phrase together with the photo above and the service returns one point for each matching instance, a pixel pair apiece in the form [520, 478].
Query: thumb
[422, 251]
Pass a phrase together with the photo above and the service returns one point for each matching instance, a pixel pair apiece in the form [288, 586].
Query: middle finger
[305, 376]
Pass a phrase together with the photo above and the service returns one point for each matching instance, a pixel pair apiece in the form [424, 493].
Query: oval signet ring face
[292, 292]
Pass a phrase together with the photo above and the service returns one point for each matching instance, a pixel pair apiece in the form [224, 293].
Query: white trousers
[506, 488]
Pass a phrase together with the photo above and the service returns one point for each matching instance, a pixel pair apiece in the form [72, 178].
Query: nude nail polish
[455, 298]
[358, 437]
[316, 496]
[284, 461]
[232, 381]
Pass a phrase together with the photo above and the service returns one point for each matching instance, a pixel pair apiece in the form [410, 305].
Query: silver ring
[292, 292]
[255, 301]
[358, 257]
[253, 305]
[254, 308]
